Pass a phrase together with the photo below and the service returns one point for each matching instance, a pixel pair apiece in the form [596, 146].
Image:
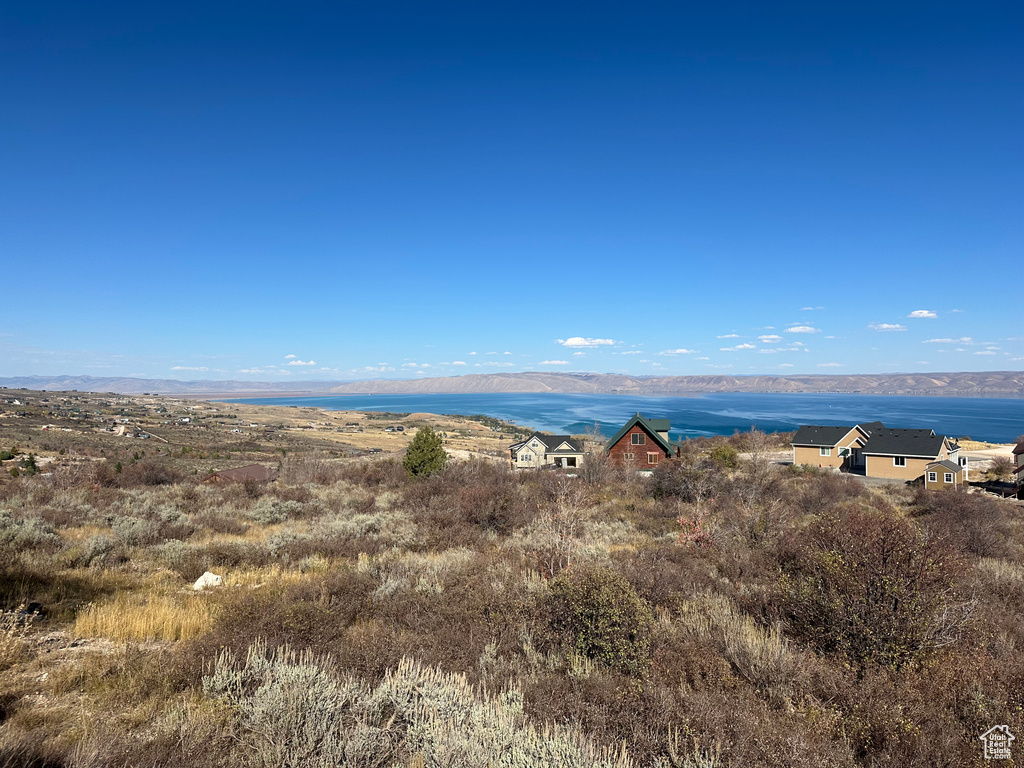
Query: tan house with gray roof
[540, 450]
[877, 450]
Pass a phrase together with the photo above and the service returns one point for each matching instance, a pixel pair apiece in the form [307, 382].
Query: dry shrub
[823, 491]
[373, 473]
[155, 617]
[597, 614]
[315, 468]
[976, 524]
[872, 587]
[310, 613]
[759, 655]
[294, 710]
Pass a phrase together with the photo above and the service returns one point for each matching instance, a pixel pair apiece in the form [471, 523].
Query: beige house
[940, 475]
[835, 447]
[539, 450]
[876, 450]
[904, 454]
[1018, 469]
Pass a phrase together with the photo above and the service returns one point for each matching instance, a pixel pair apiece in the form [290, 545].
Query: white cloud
[985, 352]
[290, 357]
[579, 354]
[830, 365]
[769, 338]
[494, 365]
[459, 362]
[189, 368]
[472, 353]
[961, 340]
[580, 341]
[377, 369]
[679, 351]
[632, 352]
[411, 365]
[886, 327]
[739, 346]
[775, 350]
[802, 329]
[728, 336]
[809, 309]
[956, 310]
[253, 370]
[506, 353]
[553, 362]
[703, 358]
[302, 362]
[786, 365]
[922, 313]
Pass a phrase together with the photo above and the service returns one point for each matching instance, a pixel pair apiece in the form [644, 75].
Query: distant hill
[983, 384]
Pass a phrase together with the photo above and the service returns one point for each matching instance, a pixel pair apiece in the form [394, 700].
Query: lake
[991, 419]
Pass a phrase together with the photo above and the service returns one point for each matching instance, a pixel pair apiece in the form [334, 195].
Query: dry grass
[273, 576]
[760, 655]
[146, 617]
[13, 627]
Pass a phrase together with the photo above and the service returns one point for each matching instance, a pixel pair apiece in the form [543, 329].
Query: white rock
[206, 581]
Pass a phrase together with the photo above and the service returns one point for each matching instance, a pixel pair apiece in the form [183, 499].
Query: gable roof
[552, 443]
[905, 442]
[1019, 447]
[820, 435]
[871, 426]
[947, 465]
[651, 427]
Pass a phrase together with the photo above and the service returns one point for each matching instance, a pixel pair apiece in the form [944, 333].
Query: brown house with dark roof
[641, 443]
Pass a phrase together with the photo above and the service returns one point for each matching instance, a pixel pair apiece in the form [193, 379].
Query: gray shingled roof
[904, 442]
[551, 442]
[949, 466]
[819, 435]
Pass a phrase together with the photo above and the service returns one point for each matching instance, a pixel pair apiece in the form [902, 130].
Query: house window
[844, 451]
[949, 477]
[629, 456]
[932, 477]
[526, 457]
[899, 461]
[652, 458]
[638, 438]
[825, 451]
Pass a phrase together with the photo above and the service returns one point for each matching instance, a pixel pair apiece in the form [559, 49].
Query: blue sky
[344, 191]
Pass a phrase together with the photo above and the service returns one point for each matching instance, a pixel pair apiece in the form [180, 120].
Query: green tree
[29, 464]
[425, 454]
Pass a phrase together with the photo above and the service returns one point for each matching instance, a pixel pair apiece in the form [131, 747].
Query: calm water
[991, 419]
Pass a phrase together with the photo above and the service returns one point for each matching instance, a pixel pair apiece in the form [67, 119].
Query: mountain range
[972, 384]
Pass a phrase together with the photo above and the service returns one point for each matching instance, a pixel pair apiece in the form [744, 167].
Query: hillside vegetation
[726, 611]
